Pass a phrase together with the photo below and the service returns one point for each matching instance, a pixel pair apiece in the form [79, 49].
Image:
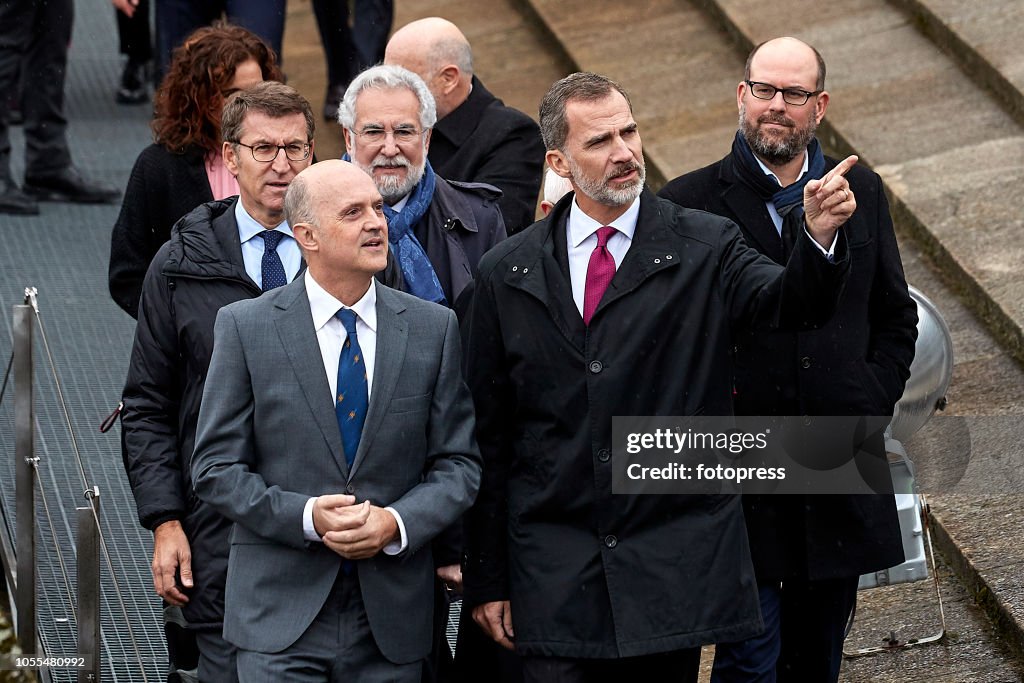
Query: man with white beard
[437, 229]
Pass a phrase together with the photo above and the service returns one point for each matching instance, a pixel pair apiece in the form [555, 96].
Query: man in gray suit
[337, 434]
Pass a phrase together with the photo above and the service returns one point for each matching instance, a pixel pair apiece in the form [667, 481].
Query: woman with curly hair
[183, 168]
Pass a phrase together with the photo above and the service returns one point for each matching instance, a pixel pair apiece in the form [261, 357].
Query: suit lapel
[294, 324]
[751, 213]
[392, 341]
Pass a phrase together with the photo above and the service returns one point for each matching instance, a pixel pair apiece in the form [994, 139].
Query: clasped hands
[829, 202]
[355, 532]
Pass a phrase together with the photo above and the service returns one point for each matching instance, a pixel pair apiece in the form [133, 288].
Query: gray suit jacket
[268, 439]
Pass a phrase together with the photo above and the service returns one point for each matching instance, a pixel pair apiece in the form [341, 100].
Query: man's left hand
[451, 577]
[359, 543]
[829, 202]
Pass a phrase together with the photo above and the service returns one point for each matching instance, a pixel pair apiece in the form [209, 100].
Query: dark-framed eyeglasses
[402, 136]
[794, 96]
[266, 153]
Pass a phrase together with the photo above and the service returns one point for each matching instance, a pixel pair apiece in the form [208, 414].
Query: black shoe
[13, 200]
[134, 83]
[332, 101]
[69, 186]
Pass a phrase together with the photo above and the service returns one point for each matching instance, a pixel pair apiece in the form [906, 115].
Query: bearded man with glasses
[809, 550]
[437, 229]
[223, 251]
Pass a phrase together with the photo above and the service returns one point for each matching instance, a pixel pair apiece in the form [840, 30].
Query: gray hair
[298, 203]
[581, 86]
[387, 77]
[451, 51]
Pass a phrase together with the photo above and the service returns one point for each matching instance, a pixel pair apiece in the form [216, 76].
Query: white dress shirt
[581, 240]
[252, 249]
[331, 335]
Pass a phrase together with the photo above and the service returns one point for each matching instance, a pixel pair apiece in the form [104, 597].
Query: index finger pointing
[842, 168]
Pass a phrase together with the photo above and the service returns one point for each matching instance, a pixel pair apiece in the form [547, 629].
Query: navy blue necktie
[273, 269]
[353, 392]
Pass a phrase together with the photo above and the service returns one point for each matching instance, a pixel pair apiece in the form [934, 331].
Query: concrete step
[945, 148]
[983, 38]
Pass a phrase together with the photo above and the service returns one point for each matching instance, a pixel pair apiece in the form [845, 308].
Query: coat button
[596, 366]
[350, 489]
[805, 362]
[611, 541]
[604, 455]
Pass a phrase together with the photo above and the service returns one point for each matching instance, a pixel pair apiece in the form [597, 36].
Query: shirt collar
[248, 227]
[400, 204]
[768, 171]
[324, 306]
[582, 226]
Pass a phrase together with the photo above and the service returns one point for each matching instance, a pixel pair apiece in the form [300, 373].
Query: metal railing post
[25, 460]
[88, 546]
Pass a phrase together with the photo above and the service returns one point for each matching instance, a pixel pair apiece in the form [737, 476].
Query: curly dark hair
[187, 105]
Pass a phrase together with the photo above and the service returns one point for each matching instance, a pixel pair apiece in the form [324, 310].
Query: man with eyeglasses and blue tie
[222, 252]
[808, 551]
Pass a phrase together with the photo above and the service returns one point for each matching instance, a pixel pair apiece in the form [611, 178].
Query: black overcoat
[484, 141]
[591, 574]
[191, 278]
[856, 364]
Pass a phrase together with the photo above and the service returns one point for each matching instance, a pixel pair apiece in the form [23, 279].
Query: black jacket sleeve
[152, 397]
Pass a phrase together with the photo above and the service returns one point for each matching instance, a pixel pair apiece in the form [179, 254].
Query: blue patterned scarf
[417, 272]
[785, 199]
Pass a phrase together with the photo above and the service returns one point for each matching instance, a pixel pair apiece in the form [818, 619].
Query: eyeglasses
[794, 96]
[266, 153]
[402, 136]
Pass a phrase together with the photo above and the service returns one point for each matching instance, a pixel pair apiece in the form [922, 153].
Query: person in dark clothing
[808, 551]
[34, 40]
[477, 138]
[178, 19]
[183, 168]
[136, 44]
[349, 50]
[223, 251]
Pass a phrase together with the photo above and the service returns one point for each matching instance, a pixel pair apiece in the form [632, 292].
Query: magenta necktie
[600, 272]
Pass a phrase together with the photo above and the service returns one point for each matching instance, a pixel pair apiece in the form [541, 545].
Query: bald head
[791, 52]
[323, 179]
[437, 51]
[337, 217]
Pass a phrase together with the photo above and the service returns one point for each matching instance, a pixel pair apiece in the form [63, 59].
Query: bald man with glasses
[808, 551]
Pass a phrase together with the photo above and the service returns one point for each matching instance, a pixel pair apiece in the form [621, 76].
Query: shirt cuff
[400, 545]
[308, 530]
[829, 253]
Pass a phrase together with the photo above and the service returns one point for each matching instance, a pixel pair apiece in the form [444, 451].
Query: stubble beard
[777, 151]
[600, 192]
